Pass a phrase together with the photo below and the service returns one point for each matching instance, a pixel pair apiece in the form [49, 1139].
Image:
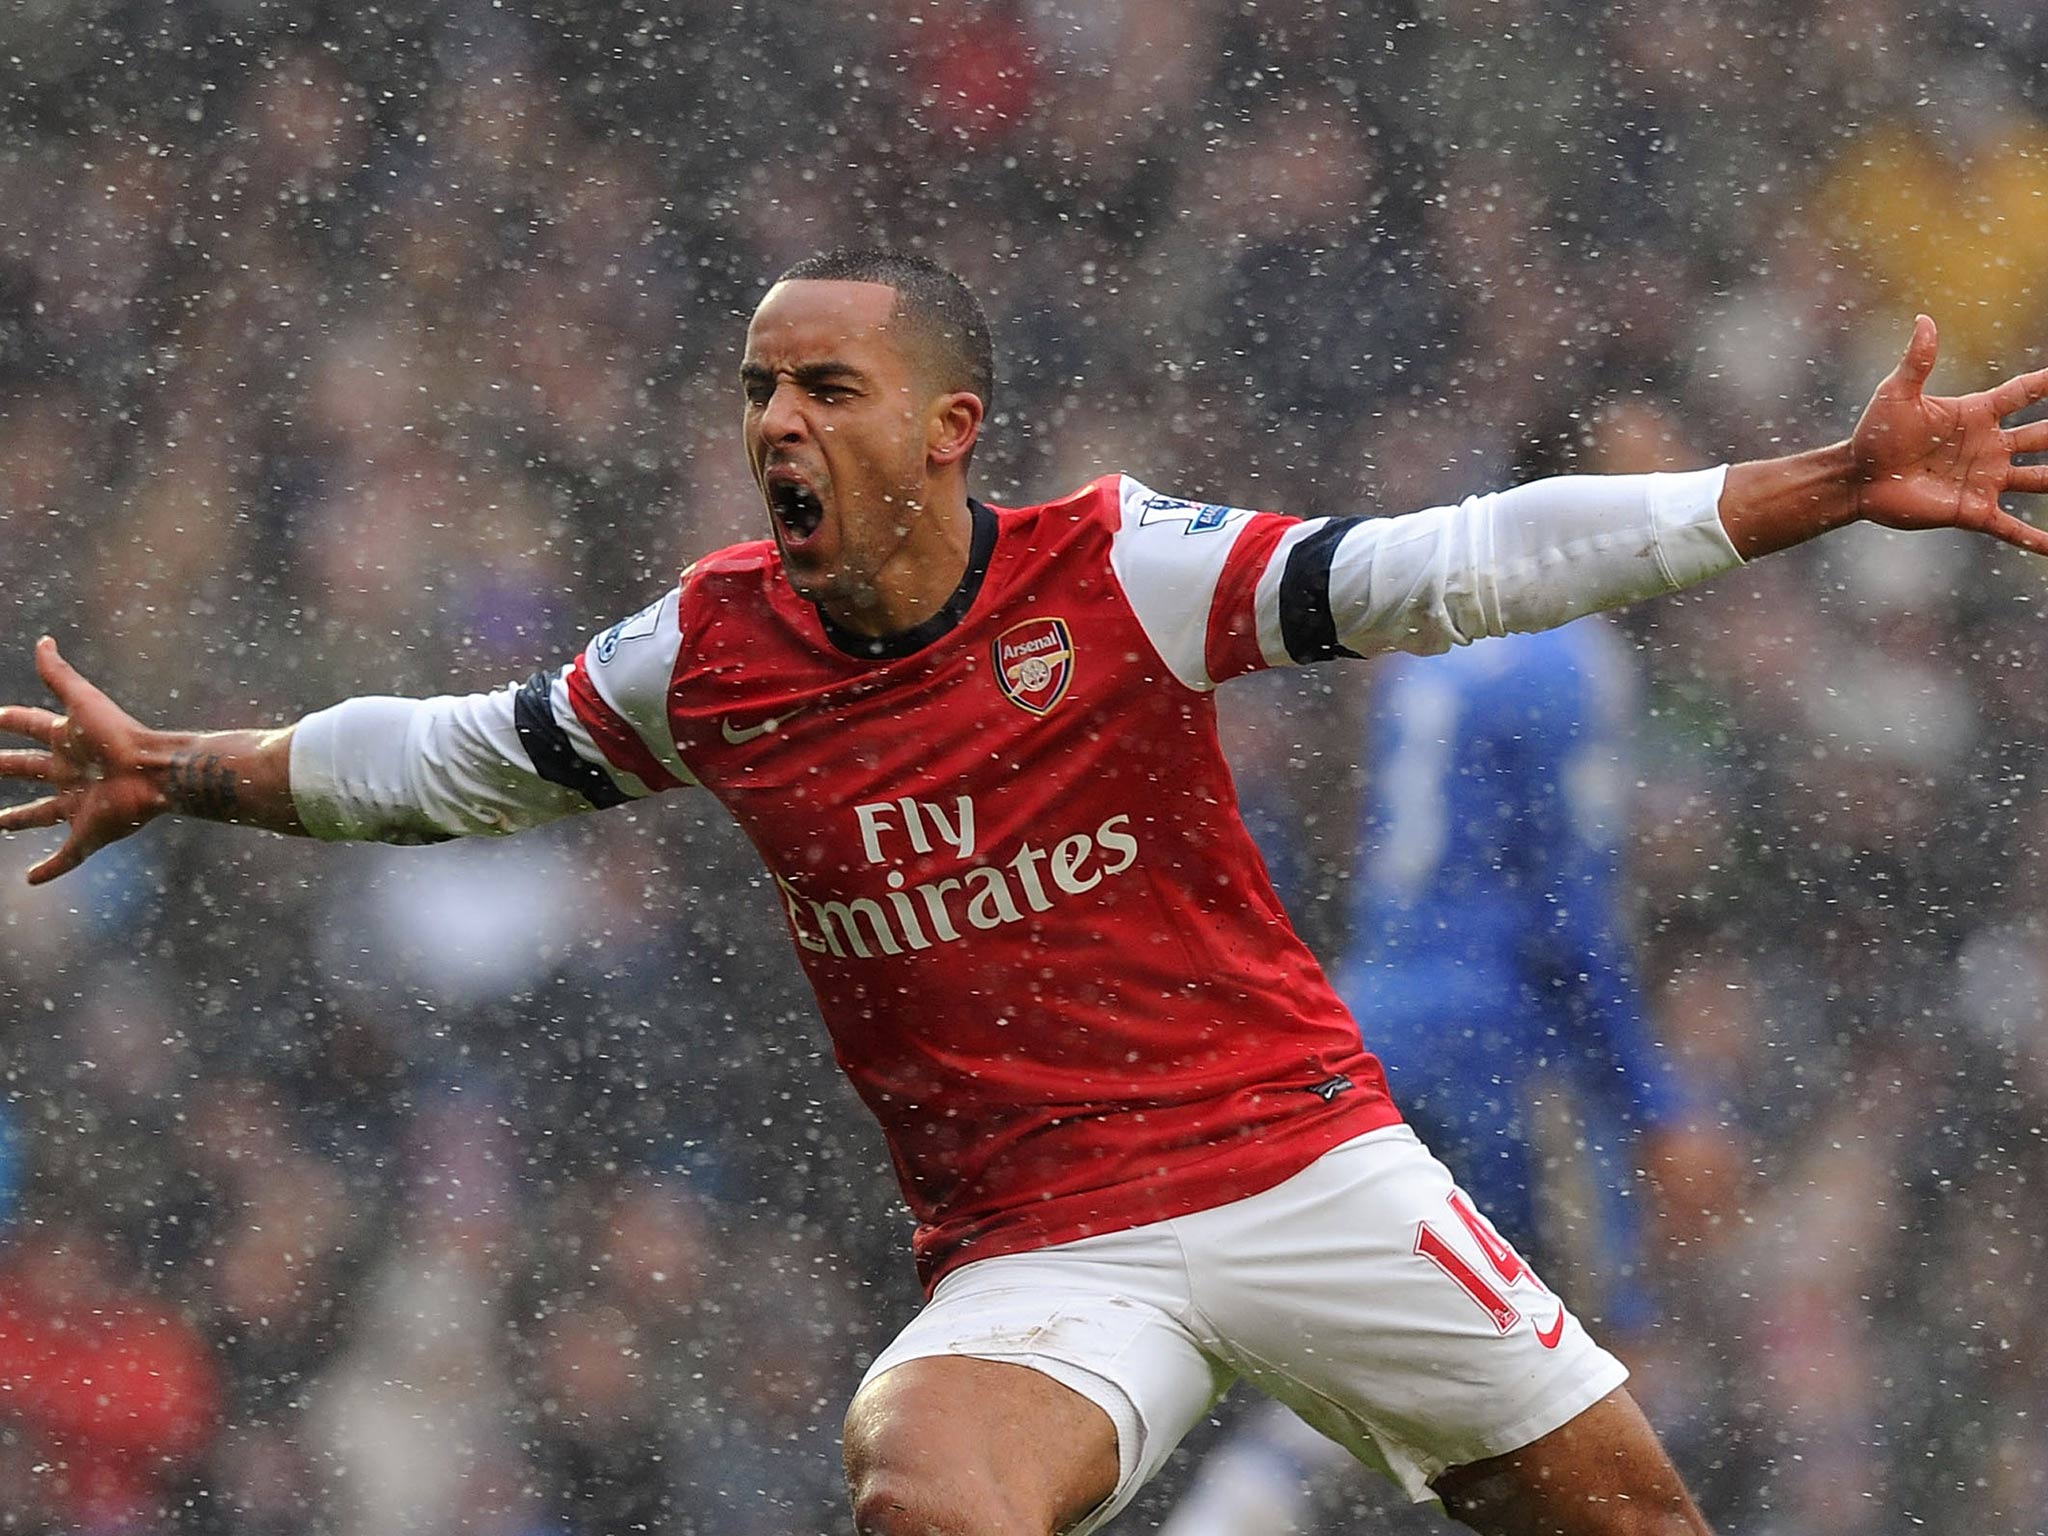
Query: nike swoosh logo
[1549, 1339]
[739, 735]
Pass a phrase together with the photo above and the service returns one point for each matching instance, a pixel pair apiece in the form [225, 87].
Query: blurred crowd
[509, 1190]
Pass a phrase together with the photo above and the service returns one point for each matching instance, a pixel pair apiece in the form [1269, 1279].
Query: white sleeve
[420, 770]
[1221, 591]
[424, 770]
[1526, 559]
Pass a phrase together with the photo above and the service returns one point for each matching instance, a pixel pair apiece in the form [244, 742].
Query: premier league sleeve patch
[1197, 516]
[638, 627]
[1035, 663]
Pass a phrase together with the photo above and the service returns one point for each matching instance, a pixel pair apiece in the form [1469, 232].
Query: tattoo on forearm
[201, 784]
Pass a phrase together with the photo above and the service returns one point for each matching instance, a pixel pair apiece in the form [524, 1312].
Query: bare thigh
[1600, 1474]
[948, 1445]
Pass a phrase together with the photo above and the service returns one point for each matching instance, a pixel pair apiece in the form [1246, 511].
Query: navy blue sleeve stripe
[1307, 628]
[554, 759]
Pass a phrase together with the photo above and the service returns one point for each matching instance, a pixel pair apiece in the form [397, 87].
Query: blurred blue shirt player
[1488, 959]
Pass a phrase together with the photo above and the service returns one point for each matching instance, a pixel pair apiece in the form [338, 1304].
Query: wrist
[1772, 504]
[156, 760]
[215, 775]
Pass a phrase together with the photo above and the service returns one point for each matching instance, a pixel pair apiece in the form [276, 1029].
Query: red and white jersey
[1006, 842]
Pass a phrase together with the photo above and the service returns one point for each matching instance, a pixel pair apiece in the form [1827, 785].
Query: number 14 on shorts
[1507, 1264]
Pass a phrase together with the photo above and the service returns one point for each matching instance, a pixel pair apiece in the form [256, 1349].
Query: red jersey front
[1006, 842]
[1009, 852]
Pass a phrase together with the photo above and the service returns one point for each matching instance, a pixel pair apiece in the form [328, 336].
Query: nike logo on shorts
[1549, 1337]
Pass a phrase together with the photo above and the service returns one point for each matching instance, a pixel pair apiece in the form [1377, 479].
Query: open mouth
[796, 507]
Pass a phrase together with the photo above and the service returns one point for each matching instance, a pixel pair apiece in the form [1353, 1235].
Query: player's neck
[917, 578]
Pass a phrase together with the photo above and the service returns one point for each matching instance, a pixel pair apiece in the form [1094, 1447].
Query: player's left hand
[1933, 461]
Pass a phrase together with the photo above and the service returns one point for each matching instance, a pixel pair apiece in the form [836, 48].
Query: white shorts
[1363, 1293]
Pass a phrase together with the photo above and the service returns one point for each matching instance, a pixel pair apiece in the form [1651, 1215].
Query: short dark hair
[932, 300]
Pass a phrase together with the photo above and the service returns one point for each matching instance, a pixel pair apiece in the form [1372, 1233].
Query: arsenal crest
[1034, 663]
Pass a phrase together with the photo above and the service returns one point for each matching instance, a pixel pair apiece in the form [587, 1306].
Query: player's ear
[952, 428]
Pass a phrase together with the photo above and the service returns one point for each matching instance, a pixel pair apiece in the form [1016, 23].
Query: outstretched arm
[108, 775]
[1543, 553]
[374, 768]
[1223, 591]
[1914, 461]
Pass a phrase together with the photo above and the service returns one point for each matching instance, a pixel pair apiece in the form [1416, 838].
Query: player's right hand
[94, 762]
